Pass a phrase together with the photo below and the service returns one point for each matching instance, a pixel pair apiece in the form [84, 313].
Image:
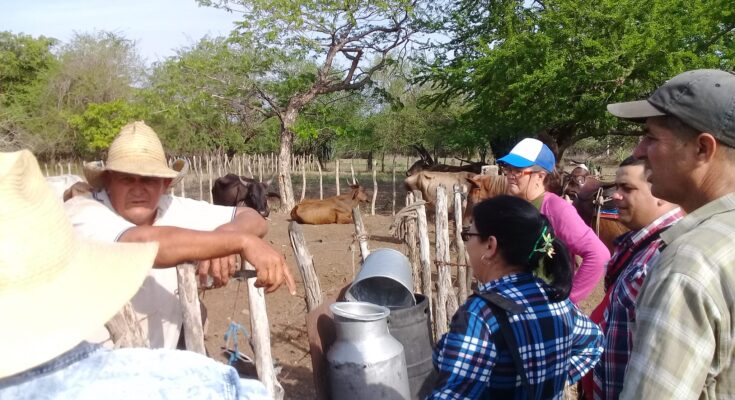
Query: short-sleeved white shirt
[156, 302]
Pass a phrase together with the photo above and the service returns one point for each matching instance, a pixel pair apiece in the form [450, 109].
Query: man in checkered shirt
[684, 334]
[647, 217]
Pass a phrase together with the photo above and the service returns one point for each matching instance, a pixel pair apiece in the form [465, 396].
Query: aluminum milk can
[365, 361]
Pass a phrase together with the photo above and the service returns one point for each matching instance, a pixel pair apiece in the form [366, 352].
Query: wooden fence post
[209, 175]
[125, 331]
[303, 181]
[444, 278]
[360, 232]
[393, 208]
[192, 315]
[375, 192]
[336, 175]
[410, 242]
[424, 250]
[321, 187]
[261, 339]
[313, 291]
[461, 260]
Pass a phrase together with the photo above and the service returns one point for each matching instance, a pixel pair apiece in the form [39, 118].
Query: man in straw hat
[684, 333]
[129, 204]
[56, 288]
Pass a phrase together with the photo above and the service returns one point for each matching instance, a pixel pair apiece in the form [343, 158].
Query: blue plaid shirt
[558, 344]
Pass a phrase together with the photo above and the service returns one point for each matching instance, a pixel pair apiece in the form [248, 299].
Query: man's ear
[706, 146]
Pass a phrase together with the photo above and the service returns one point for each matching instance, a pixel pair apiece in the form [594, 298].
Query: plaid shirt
[558, 344]
[684, 335]
[619, 315]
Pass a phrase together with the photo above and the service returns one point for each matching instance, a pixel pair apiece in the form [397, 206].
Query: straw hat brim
[94, 171]
[52, 316]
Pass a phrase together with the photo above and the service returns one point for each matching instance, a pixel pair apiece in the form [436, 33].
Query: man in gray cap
[684, 335]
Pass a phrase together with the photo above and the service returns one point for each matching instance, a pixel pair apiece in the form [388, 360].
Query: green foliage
[23, 59]
[100, 123]
[552, 66]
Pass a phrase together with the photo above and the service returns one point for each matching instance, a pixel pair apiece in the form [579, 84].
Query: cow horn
[244, 182]
[270, 180]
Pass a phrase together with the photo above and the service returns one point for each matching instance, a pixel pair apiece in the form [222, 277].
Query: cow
[427, 182]
[574, 181]
[332, 210]
[427, 163]
[237, 191]
[482, 187]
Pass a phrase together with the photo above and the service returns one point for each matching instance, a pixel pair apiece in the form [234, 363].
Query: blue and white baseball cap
[529, 152]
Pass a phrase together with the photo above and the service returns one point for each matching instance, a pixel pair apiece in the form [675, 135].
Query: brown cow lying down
[428, 181]
[332, 210]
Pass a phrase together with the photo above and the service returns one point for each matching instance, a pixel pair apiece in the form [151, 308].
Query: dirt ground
[335, 263]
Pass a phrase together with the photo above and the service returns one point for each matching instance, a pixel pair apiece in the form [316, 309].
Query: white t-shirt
[156, 303]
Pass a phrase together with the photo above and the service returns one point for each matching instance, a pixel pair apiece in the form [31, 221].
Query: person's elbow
[251, 221]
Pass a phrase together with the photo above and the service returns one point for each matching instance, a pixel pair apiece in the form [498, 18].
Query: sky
[158, 27]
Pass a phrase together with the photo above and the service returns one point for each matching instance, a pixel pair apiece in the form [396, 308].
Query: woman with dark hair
[518, 337]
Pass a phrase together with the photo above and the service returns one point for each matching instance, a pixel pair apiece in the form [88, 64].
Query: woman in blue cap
[526, 167]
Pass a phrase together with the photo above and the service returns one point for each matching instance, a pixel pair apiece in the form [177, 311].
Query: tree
[24, 63]
[100, 123]
[349, 41]
[93, 68]
[550, 67]
[203, 97]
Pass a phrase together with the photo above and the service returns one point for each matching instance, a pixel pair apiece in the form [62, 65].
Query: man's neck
[714, 183]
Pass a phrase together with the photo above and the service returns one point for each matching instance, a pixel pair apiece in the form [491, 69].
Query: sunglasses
[516, 173]
[465, 234]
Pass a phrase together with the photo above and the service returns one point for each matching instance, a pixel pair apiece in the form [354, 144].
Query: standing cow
[332, 210]
[237, 191]
[428, 181]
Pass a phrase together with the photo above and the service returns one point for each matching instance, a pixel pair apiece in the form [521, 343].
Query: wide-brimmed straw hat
[136, 150]
[55, 288]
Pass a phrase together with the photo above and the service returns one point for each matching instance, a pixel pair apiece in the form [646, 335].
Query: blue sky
[158, 26]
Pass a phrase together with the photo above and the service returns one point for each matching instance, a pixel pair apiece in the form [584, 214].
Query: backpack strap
[501, 306]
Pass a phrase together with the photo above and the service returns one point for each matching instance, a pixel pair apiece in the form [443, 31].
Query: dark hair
[517, 226]
[631, 160]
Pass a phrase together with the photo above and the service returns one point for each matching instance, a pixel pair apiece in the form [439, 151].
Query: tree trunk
[285, 186]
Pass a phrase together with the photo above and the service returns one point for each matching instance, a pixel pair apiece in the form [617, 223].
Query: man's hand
[270, 267]
[220, 269]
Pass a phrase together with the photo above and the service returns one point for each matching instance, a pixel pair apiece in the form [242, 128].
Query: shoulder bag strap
[501, 306]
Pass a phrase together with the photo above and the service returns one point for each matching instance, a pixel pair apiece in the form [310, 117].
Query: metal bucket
[384, 279]
[365, 361]
[412, 327]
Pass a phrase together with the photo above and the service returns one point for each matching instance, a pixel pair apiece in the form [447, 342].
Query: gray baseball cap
[703, 99]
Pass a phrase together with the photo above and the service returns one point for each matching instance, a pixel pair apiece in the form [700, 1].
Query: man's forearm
[178, 245]
[248, 221]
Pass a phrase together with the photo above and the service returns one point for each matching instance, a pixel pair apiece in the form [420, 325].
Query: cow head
[358, 193]
[236, 191]
[574, 182]
[482, 187]
[424, 163]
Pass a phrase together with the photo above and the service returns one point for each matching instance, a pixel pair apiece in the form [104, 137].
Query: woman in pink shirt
[526, 167]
